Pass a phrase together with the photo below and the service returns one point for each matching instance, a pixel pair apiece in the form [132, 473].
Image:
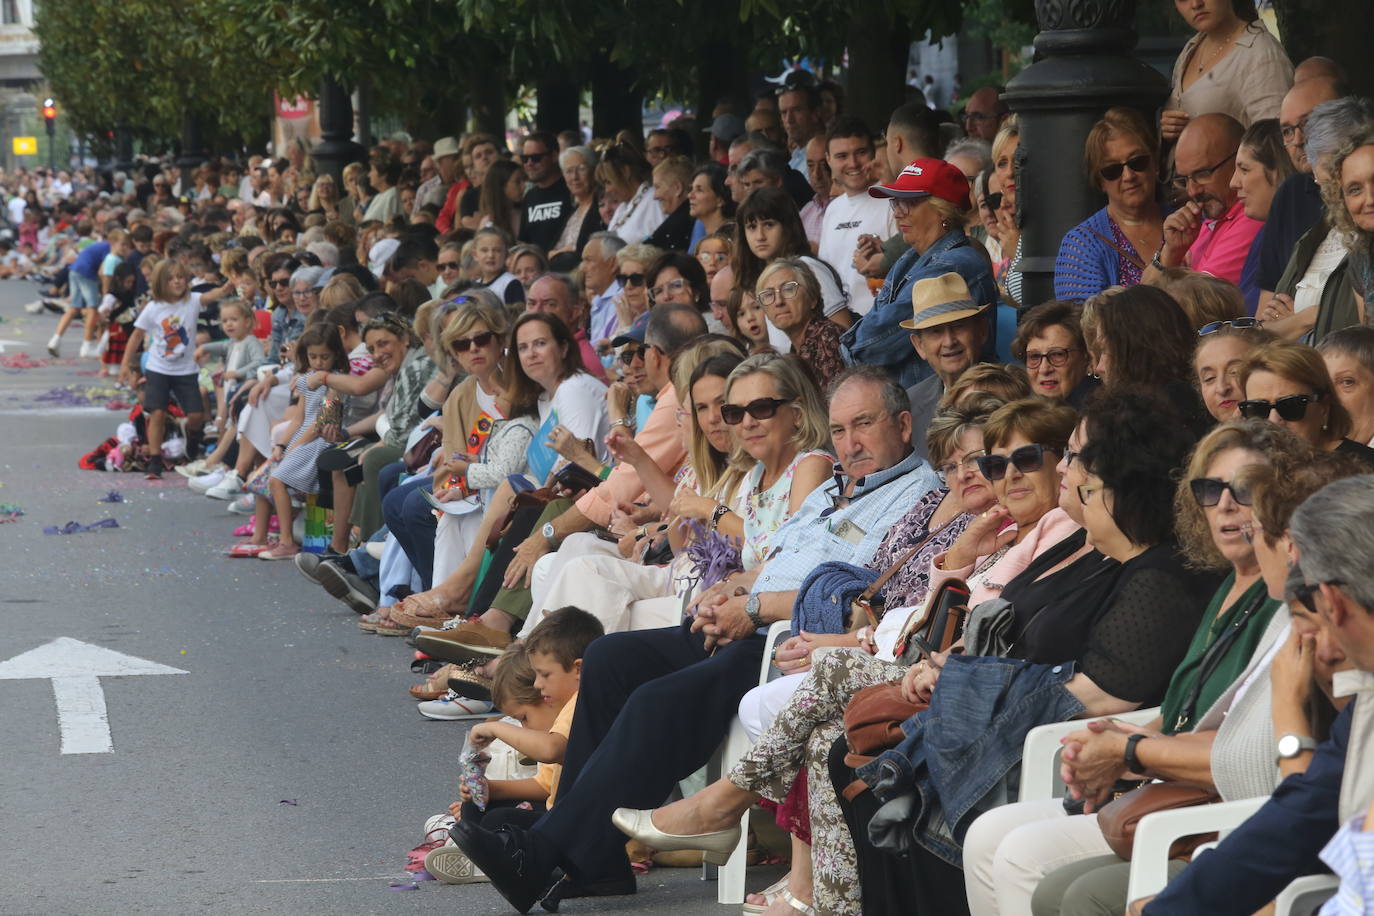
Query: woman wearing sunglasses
[1288, 384]
[1009, 849]
[791, 298]
[632, 266]
[1112, 247]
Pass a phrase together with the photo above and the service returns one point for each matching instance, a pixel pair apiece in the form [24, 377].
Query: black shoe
[346, 586]
[519, 869]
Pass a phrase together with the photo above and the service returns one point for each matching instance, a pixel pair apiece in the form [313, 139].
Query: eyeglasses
[1070, 456]
[302, 293]
[630, 354]
[672, 286]
[1138, 164]
[657, 150]
[761, 409]
[1201, 176]
[788, 290]
[1207, 491]
[1213, 327]
[952, 468]
[1290, 131]
[1086, 490]
[533, 157]
[1291, 408]
[708, 258]
[479, 340]
[630, 279]
[279, 283]
[450, 265]
[992, 201]
[902, 205]
[976, 117]
[1058, 357]
[1027, 458]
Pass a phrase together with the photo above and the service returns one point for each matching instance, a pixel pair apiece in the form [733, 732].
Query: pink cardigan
[1053, 527]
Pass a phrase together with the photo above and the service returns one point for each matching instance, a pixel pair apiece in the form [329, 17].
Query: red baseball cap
[927, 178]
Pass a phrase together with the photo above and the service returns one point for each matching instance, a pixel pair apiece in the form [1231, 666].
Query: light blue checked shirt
[821, 530]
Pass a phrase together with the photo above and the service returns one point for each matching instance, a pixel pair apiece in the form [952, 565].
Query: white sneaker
[197, 468]
[229, 487]
[437, 827]
[55, 345]
[34, 307]
[453, 706]
[87, 351]
[451, 865]
[243, 504]
[205, 482]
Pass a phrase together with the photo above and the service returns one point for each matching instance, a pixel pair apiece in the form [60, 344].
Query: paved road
[283, 699]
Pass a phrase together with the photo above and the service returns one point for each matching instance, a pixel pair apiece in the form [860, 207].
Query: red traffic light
[49, 110]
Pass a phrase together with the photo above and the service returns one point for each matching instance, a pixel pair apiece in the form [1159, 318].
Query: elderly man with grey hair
[601, 286]
[1333, 535]
[1314, 294]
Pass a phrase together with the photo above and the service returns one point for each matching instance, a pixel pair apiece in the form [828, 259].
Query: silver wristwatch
[1290, 745]
[549, 535]
[751, 609]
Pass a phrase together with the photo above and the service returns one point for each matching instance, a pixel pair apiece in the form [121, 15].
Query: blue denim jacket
[962, 756]
[877, 339]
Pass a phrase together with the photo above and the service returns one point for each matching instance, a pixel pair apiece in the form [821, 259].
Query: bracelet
[716, 516]
[604, 472]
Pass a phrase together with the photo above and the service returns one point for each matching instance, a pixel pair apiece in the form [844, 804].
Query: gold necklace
[1203, 65]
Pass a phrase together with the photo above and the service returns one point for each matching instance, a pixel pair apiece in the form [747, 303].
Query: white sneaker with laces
[454, 706]
[205, 482]
[229, 487]
[451, 865]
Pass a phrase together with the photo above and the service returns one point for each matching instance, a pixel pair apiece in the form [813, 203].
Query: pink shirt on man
[662, 439]
[1223, 244]
[590, 361]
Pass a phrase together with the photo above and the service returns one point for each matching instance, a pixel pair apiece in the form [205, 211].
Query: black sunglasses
[1027, 458]
[993, 201]
[449, 265]
[630, 279]
[533, 157]
[285, 282]
[761, 409]
[479, 340]
[1214, 326]
[1207, 491]
[630, 354]
[1137, 164]
[1290, 408]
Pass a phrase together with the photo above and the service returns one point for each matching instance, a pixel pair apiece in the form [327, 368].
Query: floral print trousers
[801, 736]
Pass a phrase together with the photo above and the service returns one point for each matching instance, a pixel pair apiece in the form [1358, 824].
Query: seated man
[948, 330]
[654, 705]
[1280, 842]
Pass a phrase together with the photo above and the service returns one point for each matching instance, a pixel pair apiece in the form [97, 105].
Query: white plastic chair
[730, 876]
[1040, 754]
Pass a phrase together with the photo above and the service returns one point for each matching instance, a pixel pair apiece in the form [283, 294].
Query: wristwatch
[625, 422]
[1290, 746]
[1132, 761]
[549, 535]
[751, 609]
[1155, 262]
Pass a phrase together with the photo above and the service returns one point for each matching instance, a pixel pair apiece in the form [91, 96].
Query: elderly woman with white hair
[578, 164]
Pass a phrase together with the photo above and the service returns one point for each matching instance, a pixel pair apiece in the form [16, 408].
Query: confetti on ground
[9, 513]
[404, 886]
[77, 396]
[77, 527]
[114, 496]
[289, 801]
[21, 361]
[423, 875]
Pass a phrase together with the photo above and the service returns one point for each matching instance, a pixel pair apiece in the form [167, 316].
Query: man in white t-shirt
[849, 152]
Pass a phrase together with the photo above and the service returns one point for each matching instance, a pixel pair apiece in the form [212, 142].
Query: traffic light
[49, 116]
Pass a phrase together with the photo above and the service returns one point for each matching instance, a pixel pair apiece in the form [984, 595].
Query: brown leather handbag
[1120, 816]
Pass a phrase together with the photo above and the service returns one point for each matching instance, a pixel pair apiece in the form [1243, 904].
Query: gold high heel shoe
[638, 825]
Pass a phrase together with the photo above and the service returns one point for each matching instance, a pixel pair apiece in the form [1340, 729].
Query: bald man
[1315, 67]
[1297, 203]
[984, 113]
[1210, 232]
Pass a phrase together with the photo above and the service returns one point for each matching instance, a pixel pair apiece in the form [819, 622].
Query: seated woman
[807, 726]
[632, 266]
[1003, 863]
[1049, 340]
[624, 178]
[1287, 383]
[791, 298]
[1221, 349]
[547, 369]
[1349, 356]
[1285, 691]
[1205, 299]
[1112, 247]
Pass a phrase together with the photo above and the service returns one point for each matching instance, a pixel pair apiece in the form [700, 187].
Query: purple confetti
[114, 496]
[77, 527]
[289, 801]
[404, 886]
[423, 875]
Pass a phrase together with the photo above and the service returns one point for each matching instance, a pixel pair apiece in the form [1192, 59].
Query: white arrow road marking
[11, 343]
[75, 669]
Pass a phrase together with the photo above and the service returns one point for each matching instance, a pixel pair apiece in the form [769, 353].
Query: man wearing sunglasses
[948, 330]
[654, 704]
[1210, 232]
[548, 202]
[1333, 537]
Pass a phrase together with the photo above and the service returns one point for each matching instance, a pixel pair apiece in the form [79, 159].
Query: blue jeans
[410, 519]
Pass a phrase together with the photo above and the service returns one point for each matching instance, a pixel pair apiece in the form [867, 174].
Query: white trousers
[453, 541]
[1009, 849]
[760, 706]
[255, 423]
[594, 577]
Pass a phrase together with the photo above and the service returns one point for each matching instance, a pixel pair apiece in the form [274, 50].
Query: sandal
[769, 894]
[466, 682]
[380, 622]
[248, 551]
[422, 609]
[791, 900]
[435, 686]
[368, 623]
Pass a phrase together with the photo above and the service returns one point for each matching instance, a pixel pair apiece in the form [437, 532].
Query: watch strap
[1132, 760]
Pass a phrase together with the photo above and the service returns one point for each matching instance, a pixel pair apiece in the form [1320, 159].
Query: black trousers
[522, 522]
[918, 882]
[652, 708]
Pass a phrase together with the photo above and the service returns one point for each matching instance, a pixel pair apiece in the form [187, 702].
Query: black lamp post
[336, 148]
[1085, 66]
